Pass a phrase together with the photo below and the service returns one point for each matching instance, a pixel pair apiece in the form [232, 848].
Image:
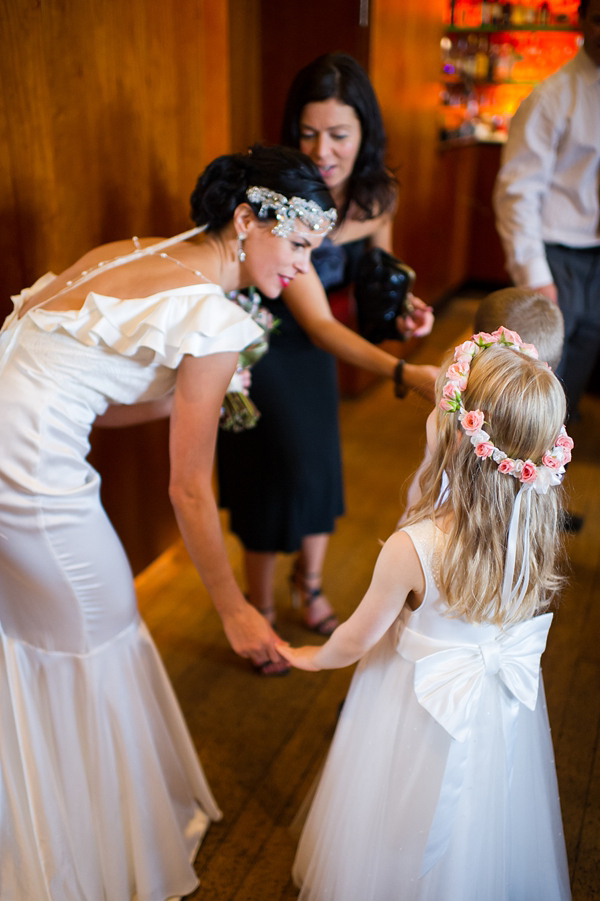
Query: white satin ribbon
[508, 592]
[449, 681]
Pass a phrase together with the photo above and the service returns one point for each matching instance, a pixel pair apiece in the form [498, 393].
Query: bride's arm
[199, 390]
[397, 573]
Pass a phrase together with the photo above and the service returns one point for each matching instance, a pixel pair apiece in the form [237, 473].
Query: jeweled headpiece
[288, 211]
[541, 476]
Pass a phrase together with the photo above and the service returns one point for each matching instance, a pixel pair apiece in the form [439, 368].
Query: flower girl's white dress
[102, 797]
[440, 783]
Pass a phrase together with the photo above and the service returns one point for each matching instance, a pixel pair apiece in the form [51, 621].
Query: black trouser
[576, 274]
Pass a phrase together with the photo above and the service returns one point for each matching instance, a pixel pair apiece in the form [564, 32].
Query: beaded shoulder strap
[105, 265]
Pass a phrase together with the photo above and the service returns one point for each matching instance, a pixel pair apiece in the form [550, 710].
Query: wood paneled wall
[108, 112]
[404, 70]
[293, 34]
[246, 73]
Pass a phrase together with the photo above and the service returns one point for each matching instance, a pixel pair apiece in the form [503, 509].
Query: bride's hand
[251, 636]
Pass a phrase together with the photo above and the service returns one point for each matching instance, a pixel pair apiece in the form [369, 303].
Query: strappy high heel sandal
[304, 597]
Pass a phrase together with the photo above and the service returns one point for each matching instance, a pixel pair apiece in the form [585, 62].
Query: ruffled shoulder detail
[19, 299]
[197, 320]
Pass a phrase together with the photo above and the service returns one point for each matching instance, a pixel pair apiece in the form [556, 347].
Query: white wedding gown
[102, 797]
[440, 784]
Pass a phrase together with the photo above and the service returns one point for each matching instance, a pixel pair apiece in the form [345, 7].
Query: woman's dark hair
[338, 75]
[223, 184]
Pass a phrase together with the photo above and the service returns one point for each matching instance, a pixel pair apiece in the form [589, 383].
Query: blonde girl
[440, 783]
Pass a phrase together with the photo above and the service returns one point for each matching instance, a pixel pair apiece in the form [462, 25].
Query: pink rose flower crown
[552, 468]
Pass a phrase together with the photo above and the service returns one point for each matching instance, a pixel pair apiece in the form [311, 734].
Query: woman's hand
[251, 636]
[419, 322]
[421, 379]
[301, 658]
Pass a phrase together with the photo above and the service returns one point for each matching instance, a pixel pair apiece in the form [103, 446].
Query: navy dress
[282, 480]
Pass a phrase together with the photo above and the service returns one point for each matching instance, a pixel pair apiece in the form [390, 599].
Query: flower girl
[440, 783]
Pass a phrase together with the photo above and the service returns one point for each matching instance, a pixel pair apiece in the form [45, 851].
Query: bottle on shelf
[544, 13]
[482, 60]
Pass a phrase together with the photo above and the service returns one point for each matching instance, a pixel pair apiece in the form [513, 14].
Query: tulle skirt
[369, 824]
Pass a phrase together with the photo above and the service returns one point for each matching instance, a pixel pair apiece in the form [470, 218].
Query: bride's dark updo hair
[223, 184]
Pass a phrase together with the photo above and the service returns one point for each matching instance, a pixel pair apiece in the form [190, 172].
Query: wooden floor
[261, 740]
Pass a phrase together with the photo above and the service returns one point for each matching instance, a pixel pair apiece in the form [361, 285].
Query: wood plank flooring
[261, 741]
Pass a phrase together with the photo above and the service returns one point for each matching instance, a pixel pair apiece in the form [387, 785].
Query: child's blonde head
[524, 407]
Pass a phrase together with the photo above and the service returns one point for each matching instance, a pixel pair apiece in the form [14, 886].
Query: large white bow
[449, 680]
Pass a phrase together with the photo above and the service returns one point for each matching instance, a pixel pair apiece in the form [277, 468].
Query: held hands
[251, 636]
[419, 322]
[301, 658]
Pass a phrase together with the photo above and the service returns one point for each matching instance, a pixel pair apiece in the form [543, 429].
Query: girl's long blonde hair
[524, 407]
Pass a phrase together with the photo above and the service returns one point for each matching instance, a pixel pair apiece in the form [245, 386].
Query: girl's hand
[418, 323]
[301, 658]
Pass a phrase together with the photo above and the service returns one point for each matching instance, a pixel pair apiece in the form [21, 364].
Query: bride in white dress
[440, 783]
[102, 797]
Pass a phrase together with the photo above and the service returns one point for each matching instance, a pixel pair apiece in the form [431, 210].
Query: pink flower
[508, 337]
[563, 440]
[451, 391]
[551, 462]
[467, 347]
[566, 454]
[485, 449]
[465, 352]
[483, 338]
[472, 421]
[448, 405]
[507, 466]
[528, 472]
[457, 371]
[531, 351]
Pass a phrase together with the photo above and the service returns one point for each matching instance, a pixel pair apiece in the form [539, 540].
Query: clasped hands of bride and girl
[270, 262]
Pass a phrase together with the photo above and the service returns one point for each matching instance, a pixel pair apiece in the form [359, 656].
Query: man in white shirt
[547, 200]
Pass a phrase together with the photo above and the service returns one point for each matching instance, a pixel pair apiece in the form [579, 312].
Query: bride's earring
[241, 252]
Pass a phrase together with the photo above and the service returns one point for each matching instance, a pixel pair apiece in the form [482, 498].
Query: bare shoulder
[115, 249]
[398, 560]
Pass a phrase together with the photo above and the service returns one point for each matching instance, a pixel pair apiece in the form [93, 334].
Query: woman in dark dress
[282, 481]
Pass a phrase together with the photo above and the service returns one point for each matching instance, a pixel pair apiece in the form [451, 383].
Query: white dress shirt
[548, 185]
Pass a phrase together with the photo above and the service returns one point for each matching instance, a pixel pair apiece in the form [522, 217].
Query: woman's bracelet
[400, 388]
